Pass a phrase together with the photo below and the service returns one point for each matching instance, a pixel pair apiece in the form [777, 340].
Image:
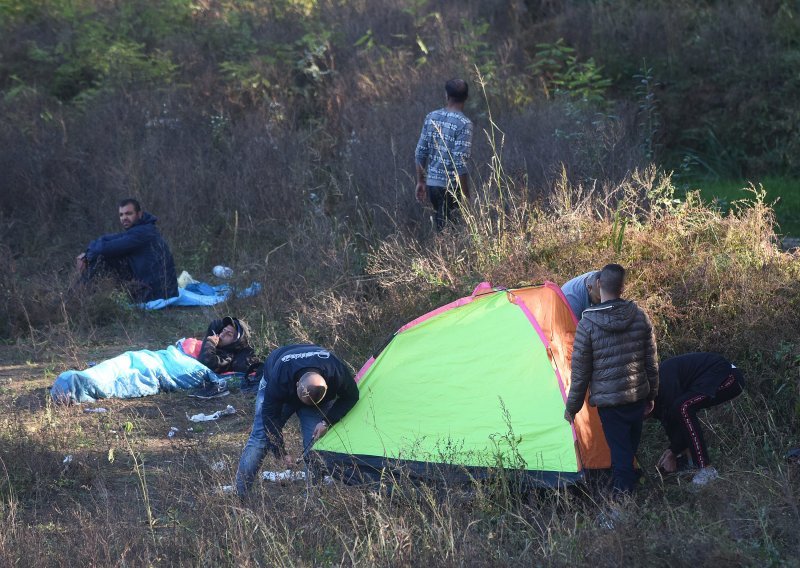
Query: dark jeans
[445, 203]
[117, 270]
[257, 445]
[622, 426]
[682, 425]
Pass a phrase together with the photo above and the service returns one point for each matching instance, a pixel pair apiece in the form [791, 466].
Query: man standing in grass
[442, 152]
[614, 356]
[306, 380]
[138, 257]
[582, 292]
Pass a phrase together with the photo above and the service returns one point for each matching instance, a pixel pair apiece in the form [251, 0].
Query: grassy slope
[784, 192]
[131, 495]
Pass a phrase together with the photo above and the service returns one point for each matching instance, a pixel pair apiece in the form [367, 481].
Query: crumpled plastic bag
[185, 279]
[215, 416]
[286, 475]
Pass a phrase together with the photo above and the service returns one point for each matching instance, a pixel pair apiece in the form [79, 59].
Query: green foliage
[650, 122]
[561, 73]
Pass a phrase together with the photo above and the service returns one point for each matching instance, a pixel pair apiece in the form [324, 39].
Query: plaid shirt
[444, 147]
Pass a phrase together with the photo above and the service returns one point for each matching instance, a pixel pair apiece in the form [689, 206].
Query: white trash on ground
[286, 475]
[67, 459]
[215, 416]
[98, 410]
[172, 432]
[218, 466]
[222, 271]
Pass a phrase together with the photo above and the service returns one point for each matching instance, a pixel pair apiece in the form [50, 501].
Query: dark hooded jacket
[700, 373]
[147, 255]
[238, 357]
[283, 369]
[615, 353]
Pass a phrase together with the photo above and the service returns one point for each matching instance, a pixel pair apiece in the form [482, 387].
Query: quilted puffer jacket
[614, 356]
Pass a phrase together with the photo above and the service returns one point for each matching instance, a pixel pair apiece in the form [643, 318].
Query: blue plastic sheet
[201, 294]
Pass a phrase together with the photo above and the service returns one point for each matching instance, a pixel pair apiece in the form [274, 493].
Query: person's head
[612, 281]
[129, 212]
[229, 331]
[593, 287]
[311, 388]
[457, 90]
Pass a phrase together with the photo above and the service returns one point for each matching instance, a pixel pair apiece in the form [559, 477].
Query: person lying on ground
[582, 292]
[145, 372]
[226, 349]
[138, 258]
[306, 380]
[689, 383]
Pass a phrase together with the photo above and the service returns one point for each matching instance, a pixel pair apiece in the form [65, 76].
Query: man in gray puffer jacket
[614, 356]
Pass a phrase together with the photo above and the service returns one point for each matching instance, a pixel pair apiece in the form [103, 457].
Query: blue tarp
[132, 374]
[201, 294]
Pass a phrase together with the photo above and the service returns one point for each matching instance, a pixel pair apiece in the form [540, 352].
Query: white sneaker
[705, 475]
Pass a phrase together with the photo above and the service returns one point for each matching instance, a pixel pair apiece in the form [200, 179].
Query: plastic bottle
[222, 271]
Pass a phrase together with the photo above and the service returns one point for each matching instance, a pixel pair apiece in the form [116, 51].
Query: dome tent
[474, 385]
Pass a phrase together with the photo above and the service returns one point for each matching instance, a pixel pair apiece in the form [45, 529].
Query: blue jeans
[622, 426]
[257, 445]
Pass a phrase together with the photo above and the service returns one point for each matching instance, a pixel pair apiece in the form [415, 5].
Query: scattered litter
[225, 489]
[218, 466]
[190, 429]
[172, 432]
[185, 279]
[68, 459]
[222, 271]
[98, 410]
[286, 475]
[215, 416]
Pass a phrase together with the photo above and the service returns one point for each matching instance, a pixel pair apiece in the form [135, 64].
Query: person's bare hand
[80, 262]
[668, 462]
[422, 190]
[319, 430]
[213, 338]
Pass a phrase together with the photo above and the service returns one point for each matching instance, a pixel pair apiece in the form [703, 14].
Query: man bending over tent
[306, 380]
[614, 356]
[582, 292]
[689, 383]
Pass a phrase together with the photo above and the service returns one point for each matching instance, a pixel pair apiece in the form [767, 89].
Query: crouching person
[689, 383]
[306, 380]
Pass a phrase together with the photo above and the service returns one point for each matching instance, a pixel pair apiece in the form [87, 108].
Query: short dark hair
[457, 89]
[130, 201]
[612, 279]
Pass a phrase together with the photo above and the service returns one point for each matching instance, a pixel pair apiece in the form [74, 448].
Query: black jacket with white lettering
[284, 367]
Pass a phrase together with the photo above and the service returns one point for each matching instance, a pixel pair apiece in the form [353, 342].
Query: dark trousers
[445, 203]
[682, 424]
[622, 426]
[118, 270]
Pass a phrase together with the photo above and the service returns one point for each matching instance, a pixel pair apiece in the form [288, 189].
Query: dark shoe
[685, 464]
[211, 390]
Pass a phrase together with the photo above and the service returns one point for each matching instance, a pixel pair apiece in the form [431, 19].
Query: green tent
[463, 390]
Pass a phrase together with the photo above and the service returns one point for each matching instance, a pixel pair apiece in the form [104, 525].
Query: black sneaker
[211, 390]
[685, 464]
